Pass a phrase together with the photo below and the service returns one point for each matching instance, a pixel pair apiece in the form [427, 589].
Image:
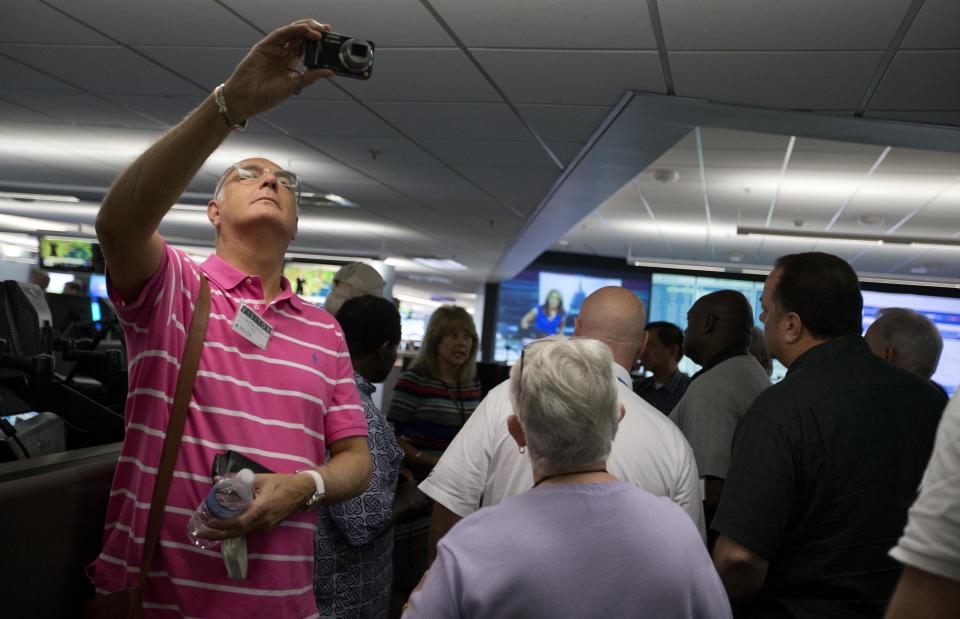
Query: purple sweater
[573, 550]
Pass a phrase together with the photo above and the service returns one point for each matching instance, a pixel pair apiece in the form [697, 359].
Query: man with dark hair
[353, 545]
[826, 462]
[663, 352]
[718, 337]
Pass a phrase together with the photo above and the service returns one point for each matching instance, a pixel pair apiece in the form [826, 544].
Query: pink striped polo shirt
[280, 406]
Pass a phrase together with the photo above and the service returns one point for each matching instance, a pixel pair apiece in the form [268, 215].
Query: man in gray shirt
[718, 338]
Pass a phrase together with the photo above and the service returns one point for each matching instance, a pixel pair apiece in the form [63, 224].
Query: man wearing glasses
[275, 381]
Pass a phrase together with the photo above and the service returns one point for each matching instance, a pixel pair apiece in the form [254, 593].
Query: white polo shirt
[483, 465]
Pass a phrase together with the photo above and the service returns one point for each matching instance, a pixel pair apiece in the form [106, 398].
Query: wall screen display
[542, 302]
[945, 314]
[312, 282]
[66, 254]
[672, 296]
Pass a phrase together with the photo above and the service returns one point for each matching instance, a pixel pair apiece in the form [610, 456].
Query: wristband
[318, 493]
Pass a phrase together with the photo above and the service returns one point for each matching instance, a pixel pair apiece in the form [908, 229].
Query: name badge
[252, 328]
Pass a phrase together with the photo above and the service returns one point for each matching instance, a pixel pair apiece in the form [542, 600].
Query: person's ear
[890, 354]
[213, 213]
[623, 411]
[708, 323]
[576, 327]
[644, 338]
[793, 328]
[516, 430]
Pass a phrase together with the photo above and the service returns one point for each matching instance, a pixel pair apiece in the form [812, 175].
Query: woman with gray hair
[580, 543]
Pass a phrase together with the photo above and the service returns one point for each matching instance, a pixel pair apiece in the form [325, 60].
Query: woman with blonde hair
[433, 399]
[431, 402]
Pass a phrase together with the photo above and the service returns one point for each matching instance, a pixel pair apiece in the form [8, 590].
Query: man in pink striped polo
[275, 381]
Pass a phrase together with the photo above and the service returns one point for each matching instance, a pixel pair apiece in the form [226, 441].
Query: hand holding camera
[270, 72]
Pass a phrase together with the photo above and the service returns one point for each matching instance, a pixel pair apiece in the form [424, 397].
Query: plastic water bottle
[229, 497]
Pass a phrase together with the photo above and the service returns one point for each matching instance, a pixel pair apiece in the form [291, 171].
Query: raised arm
[131, 212]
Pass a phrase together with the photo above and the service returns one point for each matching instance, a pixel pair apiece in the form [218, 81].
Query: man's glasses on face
[255, 171]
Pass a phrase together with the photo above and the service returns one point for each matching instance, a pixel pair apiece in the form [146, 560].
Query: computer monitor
[98, 286]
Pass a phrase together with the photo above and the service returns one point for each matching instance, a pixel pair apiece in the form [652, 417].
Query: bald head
[716, 322]
[615, 316]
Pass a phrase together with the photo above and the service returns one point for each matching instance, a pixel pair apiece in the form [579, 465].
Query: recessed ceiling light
[870, 220]
[441, 265]
[563, 242]
[664, 175]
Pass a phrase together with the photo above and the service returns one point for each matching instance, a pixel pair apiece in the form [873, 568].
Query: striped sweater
[428, 411]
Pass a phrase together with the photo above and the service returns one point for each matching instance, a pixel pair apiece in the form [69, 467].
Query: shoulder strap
[189, 363]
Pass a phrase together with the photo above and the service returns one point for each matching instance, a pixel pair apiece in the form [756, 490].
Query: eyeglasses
[255, 171]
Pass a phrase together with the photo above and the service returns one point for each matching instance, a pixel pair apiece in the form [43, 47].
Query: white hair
[914, 336]
[565, 395]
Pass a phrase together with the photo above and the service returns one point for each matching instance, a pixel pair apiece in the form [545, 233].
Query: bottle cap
[246, 476]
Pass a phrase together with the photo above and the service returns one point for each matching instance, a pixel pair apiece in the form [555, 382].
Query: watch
[318, 493]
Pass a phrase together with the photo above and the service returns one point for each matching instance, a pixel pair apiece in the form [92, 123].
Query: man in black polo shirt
[826, 462]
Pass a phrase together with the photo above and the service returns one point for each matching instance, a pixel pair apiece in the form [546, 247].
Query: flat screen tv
[72, 255]
[311, 281]
[671, 296]
[545, 301]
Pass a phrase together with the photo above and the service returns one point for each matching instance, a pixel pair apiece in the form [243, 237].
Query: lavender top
[573, 550]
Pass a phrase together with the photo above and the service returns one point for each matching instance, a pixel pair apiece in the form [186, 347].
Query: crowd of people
[570, 489]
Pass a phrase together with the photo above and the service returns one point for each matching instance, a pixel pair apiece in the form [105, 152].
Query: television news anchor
[281, 394]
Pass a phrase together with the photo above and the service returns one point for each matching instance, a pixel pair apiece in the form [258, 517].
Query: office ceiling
[783, 184]
[479, 112]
